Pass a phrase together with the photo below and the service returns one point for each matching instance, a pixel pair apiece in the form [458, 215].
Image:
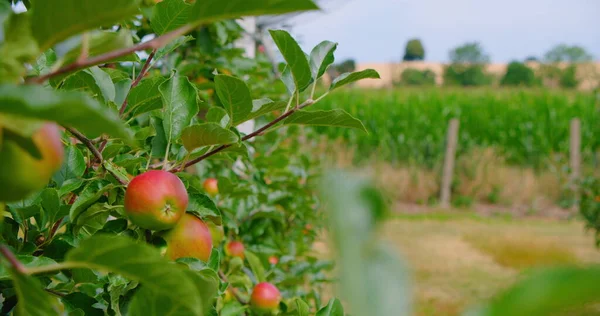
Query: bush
[518, 74]
[568, 77]
[415, 77]
[466, 75]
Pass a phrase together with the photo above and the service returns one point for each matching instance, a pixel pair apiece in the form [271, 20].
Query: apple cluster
[157, 200]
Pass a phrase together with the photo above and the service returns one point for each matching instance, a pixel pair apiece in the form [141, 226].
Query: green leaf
[19, 47]
[92, 220]
[321, 57]
[168, 15]
[364, 264]
[264, 106]
[235, 96]
[337, 117]
[5, 11]
[142, 263]
[50, 204]
[333, 308]
[206, 134]
[68, 108]
[351, 77]
[159, 142]
[32, 299]
[145, 97]
[163, 51]
[217, 115]
[257, 268]
[202, 206]
[73, 166]
[214, 10]
[56, 20]
[294, 57]
[150, 302]
[302, 308]
[88, 196]
[116, 171]
[232, 309]
[101, 42]
[28, 262]
[94, 80]
[180, 99]
[547, 291]
[288, 80]
[70, 186]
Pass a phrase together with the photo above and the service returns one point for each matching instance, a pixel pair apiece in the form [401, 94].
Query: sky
[377, 30]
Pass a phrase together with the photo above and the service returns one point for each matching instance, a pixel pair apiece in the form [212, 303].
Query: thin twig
[12, 259]
[152, 44]
[247, 137]
[138, 79]
[234, 291]
[57, 293]
[86, 141]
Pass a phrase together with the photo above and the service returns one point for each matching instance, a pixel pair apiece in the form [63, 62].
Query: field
[409, 125]
[459, 260]
[513, 145]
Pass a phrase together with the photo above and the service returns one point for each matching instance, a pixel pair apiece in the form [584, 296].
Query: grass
[458, 261]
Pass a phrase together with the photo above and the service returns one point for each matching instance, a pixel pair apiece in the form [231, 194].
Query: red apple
[273, 260]
[211, 186]
[189, 238]
[156, 200]
[265, 297]
[22, 173]
[235, 249]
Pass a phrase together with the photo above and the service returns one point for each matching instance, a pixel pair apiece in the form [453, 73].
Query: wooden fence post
[451, 140]
[575, 159]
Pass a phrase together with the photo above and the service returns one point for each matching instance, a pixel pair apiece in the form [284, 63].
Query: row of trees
[467, 68]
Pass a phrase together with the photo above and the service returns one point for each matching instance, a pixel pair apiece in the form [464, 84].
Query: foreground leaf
[351, 77]
[294, 57]
[235, 96]
[264, 106]
[337, 117]
[145, 97]
[206, 134]
[322, 57]
[33, 300]
[180, 99]
[548, 291]
[333, 308]
[57, 20]
[138, 262]
[67, 108]
[168, 15]
[213, 10]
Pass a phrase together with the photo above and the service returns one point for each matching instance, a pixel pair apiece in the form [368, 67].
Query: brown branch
[86, 141]
[57, 293]
[12, 259]
[234, 291]
[80, 64]
[138, 79]
[247, 137]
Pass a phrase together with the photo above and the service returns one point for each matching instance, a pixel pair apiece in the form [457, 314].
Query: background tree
[467, 67]
[518, 74]
[566, 53]
[471, 53]
[414, 50]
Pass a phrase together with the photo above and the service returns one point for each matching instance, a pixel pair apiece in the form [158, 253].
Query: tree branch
[234, 291]
[12, 259]
[88, 143]
[84, 140]
[80, 64]
[138, 79]
[247, 137]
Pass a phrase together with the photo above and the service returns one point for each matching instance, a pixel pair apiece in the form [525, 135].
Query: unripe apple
[189, 238]
[20, 172]
[216, 232]
[273, 260]
[235, 249]
[211, 186]
[155, 200]
[265, 297]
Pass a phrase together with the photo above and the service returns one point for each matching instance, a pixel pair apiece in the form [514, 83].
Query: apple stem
[234, 291]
